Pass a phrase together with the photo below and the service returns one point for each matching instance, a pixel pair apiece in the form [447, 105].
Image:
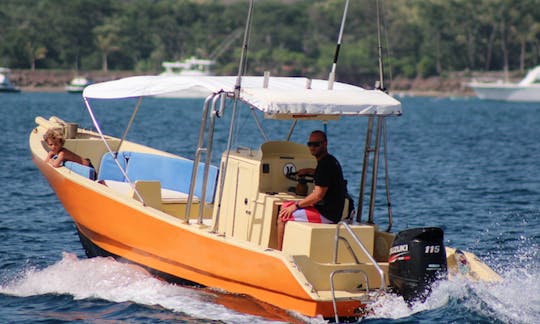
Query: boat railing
[364, 250]
[210, 101]
[213, 105]
[377, 134]
[341, 271]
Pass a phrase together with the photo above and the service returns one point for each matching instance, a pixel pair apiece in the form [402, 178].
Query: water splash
[104, 278]
[515, 299]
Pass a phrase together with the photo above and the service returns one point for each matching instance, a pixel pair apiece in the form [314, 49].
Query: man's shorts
[309, 214]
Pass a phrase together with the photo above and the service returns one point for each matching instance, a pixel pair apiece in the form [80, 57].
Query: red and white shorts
[309, 214]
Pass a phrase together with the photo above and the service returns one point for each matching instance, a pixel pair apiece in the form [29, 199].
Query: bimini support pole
[124, 135]
[197, 159]
[109, 149]
[365, 165]
[375, 168]
[209, 146]
[386, 177]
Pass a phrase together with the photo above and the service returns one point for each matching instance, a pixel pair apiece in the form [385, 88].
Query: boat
[527, 90]
[188, 221]
[191, 66]
[5, 84]
[77, 84]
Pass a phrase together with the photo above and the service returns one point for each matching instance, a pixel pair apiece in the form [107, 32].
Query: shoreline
[48, 89]
[451, 85]
[395, 93]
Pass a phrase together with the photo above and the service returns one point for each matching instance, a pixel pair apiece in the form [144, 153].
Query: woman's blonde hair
[55, 135]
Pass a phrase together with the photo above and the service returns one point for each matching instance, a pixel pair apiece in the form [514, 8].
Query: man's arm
[315, 196]
[306, 171]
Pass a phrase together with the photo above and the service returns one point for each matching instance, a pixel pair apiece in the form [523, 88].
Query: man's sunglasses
[314, 144]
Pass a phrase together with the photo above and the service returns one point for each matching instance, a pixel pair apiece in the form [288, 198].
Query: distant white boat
[193, 67]
[77, 84]
[5, 84]
[527, 90]
[189, 67]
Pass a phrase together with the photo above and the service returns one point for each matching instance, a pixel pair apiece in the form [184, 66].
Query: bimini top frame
[293, 96]
[277, 97]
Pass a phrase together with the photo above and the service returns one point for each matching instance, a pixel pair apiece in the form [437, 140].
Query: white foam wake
[516, 299]
[104, 278]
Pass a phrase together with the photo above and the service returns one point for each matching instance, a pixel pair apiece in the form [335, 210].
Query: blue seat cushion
[83, 170]
[173, 173]
[109, 170]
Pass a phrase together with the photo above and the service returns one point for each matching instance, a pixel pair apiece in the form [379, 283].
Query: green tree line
[420, 37]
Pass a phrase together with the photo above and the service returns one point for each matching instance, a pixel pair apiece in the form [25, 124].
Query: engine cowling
[417, 259]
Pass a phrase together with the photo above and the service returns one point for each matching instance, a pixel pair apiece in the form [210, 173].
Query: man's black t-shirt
[328, 174]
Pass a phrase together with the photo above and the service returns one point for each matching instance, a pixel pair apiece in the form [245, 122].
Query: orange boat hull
[178, 251]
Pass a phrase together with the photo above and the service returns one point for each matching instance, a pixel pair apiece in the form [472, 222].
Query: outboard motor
[417, 259]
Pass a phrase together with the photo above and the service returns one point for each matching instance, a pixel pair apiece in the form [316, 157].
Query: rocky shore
[452, 84]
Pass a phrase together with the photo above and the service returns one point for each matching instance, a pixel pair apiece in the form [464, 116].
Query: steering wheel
[305, 178]
[301, 182]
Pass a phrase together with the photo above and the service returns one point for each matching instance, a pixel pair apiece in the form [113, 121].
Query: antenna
[243, 57]
[225, 44]
[332, 76]
[238, 84]
[379, 85]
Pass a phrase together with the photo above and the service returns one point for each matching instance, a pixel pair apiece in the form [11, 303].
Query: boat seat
[83, 170]
[317, 241]
[167, 196]
[108, 169]
[173, 173]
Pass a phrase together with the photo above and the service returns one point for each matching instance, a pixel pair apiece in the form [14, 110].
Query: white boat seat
[167, 196]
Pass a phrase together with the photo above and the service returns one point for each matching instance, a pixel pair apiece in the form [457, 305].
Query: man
[325, 203]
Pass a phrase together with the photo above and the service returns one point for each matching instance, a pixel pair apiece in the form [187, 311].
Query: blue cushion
[173, 173]
[108, 169]
[210, 186]
[83, 170]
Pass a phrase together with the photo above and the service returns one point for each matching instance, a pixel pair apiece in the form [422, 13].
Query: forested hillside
[420, 37]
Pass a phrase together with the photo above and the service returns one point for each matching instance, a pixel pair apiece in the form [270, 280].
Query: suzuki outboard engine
[417, 259]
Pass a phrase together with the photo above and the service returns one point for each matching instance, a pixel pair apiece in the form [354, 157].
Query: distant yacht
[5, 85]
[527, 90]
[77, 84]
[189, 67]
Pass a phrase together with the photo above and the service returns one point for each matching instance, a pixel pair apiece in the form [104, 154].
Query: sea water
[468, 166]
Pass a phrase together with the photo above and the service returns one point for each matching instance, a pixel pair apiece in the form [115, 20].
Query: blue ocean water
[465, 165]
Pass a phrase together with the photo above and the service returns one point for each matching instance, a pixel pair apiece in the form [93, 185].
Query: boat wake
[107, 279]
[516, 299]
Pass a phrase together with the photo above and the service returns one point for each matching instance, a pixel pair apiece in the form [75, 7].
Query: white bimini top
[281, 95]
